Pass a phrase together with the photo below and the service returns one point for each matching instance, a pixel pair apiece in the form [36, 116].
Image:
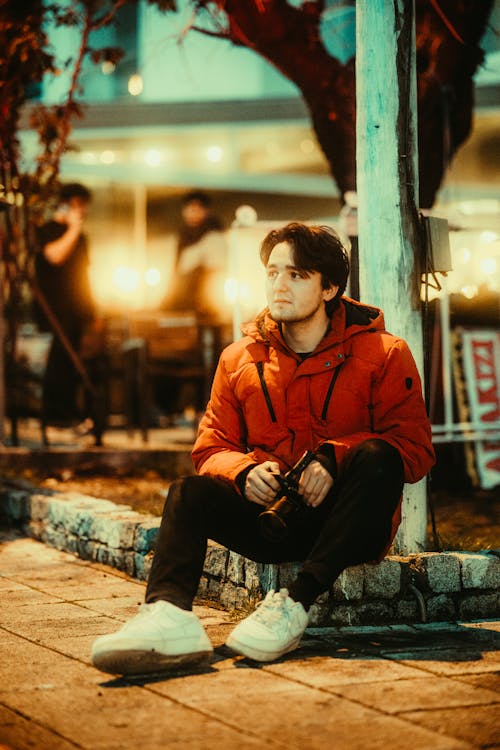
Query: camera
[275, 520]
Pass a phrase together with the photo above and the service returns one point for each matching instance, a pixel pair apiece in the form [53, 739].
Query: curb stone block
[463, 584]
[252, 578]
[441, 607]
[142, 565]
[57, 538]
[435, 571]
[343, 615]
[235, 570]
[287, 573]
[75, 515]
[36, 529]
[232, 597]
[39, 507]
[480, 570]
[114, 529]
[87, 549]
[268, 576]
[406, 610]
[383, 579]
[474, 606]
[350, 583]
[374, 612]
[202, 592]
[117, 558]
[320, 610]
[16, 505]
[73, 510]
[216, 560]
[214, 588]
[146, 534]
[443, 572]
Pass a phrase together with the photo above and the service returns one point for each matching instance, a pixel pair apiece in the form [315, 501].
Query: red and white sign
[481, 361]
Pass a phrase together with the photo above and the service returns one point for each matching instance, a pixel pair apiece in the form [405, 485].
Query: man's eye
[271, 274]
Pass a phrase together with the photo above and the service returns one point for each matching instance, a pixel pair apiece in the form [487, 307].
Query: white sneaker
[161, 637]
[274, 629]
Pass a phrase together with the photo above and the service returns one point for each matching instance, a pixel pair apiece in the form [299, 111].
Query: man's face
[79, 207]
[294, 295]
[194, 213]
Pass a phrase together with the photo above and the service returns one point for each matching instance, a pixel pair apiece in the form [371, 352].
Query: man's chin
[281, 313]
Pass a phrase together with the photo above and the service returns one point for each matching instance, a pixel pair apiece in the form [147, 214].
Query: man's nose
[280, 281]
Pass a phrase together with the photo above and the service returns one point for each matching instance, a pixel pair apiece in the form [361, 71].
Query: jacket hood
[349, 318]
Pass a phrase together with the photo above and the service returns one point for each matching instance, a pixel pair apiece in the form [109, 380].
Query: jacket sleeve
[220, 448]
[398, 414]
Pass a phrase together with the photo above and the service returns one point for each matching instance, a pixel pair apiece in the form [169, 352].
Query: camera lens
[272, 526]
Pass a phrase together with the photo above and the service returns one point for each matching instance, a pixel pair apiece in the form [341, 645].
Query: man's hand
[261, 484]
[315, 483]
[74, 217]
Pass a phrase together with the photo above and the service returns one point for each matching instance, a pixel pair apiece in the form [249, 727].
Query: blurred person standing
[200, 266]
[61, 269]
[198, 287]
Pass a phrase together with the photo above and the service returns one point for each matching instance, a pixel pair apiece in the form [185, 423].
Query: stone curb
[422, 587]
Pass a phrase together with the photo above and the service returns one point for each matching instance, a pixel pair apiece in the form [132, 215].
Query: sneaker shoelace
[272, 608]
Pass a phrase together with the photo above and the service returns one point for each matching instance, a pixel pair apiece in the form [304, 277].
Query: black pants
[61, 380]
[351, 526]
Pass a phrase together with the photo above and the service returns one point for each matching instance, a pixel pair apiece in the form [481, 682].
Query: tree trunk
[387, 181]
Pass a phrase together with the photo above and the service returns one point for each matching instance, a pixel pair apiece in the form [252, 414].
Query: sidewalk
[432, 687]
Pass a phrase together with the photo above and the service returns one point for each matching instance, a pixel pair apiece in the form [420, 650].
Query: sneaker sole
[257, 654]
[136, 662]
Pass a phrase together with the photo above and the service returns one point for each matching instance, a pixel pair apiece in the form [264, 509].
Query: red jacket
[267, 403]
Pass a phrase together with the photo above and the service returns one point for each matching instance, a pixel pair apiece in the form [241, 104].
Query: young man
[61, 267]
[315, 371]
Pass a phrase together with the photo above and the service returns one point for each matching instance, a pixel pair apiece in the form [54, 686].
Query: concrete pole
[387, 184]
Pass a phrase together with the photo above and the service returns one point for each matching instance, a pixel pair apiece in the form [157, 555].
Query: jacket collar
[350, 317]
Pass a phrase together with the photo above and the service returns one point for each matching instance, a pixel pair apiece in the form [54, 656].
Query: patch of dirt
[467, 520]
[145, 493]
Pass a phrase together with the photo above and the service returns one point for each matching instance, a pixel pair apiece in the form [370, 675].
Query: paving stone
[315, 716]
[320, 689]
[477, 725]
[343, 668]
[21, 733]
[447, 661]
[417, 694]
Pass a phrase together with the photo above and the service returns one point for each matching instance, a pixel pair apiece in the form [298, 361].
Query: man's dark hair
[315, 248]
[74, 190]
[197, 195]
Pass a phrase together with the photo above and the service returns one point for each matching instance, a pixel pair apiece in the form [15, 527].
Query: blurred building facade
[202, 113]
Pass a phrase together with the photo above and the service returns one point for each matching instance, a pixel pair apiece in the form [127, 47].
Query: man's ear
[330, 293]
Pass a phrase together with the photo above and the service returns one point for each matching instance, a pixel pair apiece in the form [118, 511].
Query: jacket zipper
[260, 370]
[330, 391]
